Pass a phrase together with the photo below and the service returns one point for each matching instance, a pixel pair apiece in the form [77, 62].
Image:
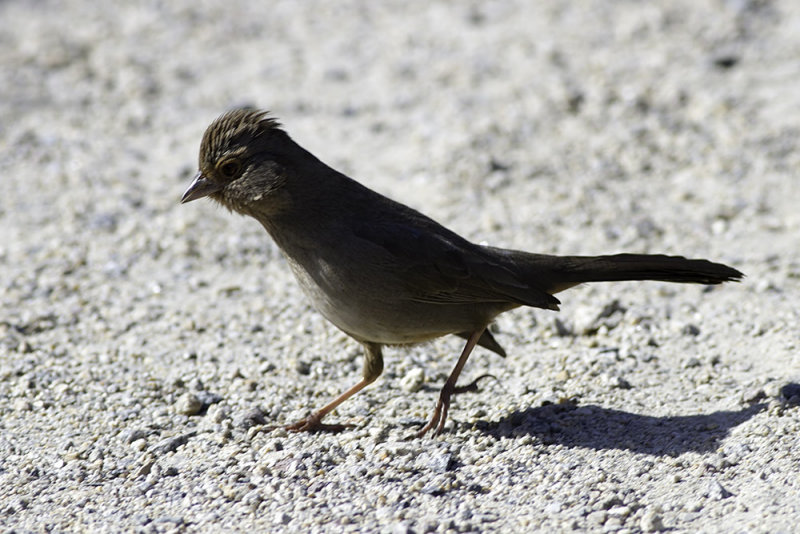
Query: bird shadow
[596, 427]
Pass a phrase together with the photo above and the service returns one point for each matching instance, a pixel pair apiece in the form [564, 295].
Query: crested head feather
[236, 128]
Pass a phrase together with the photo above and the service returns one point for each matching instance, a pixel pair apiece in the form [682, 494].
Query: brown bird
[382, 272]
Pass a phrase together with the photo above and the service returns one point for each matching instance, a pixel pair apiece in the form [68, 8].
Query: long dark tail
[557, 273]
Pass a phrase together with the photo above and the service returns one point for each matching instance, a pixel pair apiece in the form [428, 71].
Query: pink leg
[439, 417]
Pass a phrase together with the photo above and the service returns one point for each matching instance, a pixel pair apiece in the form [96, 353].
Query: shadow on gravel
[602, 428]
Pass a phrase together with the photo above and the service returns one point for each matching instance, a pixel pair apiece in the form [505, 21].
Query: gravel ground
[145, 345]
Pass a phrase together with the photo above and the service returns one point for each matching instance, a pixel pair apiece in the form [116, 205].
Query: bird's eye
[229, 169]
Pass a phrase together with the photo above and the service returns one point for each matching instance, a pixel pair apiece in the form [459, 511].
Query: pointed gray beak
[201, 187]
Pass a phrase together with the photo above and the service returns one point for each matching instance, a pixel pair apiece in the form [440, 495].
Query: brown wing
[441, 267]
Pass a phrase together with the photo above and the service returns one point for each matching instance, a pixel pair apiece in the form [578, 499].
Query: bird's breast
[375, 307]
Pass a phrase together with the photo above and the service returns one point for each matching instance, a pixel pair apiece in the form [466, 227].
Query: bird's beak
[201, 187]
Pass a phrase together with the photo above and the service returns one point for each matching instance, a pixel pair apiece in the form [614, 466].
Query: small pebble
[413, 380]
[188, 404]
[651, 521]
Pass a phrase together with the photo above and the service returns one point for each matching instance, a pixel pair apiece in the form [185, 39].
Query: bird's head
[245, 160]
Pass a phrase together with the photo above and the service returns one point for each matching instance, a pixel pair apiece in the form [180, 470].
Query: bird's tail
[557, 273]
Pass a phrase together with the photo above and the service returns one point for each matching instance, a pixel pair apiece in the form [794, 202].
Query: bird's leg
[439, 417]
[373, 367]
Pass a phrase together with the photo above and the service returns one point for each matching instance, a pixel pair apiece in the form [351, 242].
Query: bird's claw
[439, 417]
[473, 386]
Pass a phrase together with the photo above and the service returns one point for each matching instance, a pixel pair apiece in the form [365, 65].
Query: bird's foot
[472, 386]
[439, 417]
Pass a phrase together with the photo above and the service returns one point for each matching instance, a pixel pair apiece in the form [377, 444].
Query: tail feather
[557, 273]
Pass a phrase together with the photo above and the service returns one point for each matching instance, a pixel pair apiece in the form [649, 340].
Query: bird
[384, 273]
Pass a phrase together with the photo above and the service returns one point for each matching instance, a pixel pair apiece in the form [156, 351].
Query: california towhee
[382, 272]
